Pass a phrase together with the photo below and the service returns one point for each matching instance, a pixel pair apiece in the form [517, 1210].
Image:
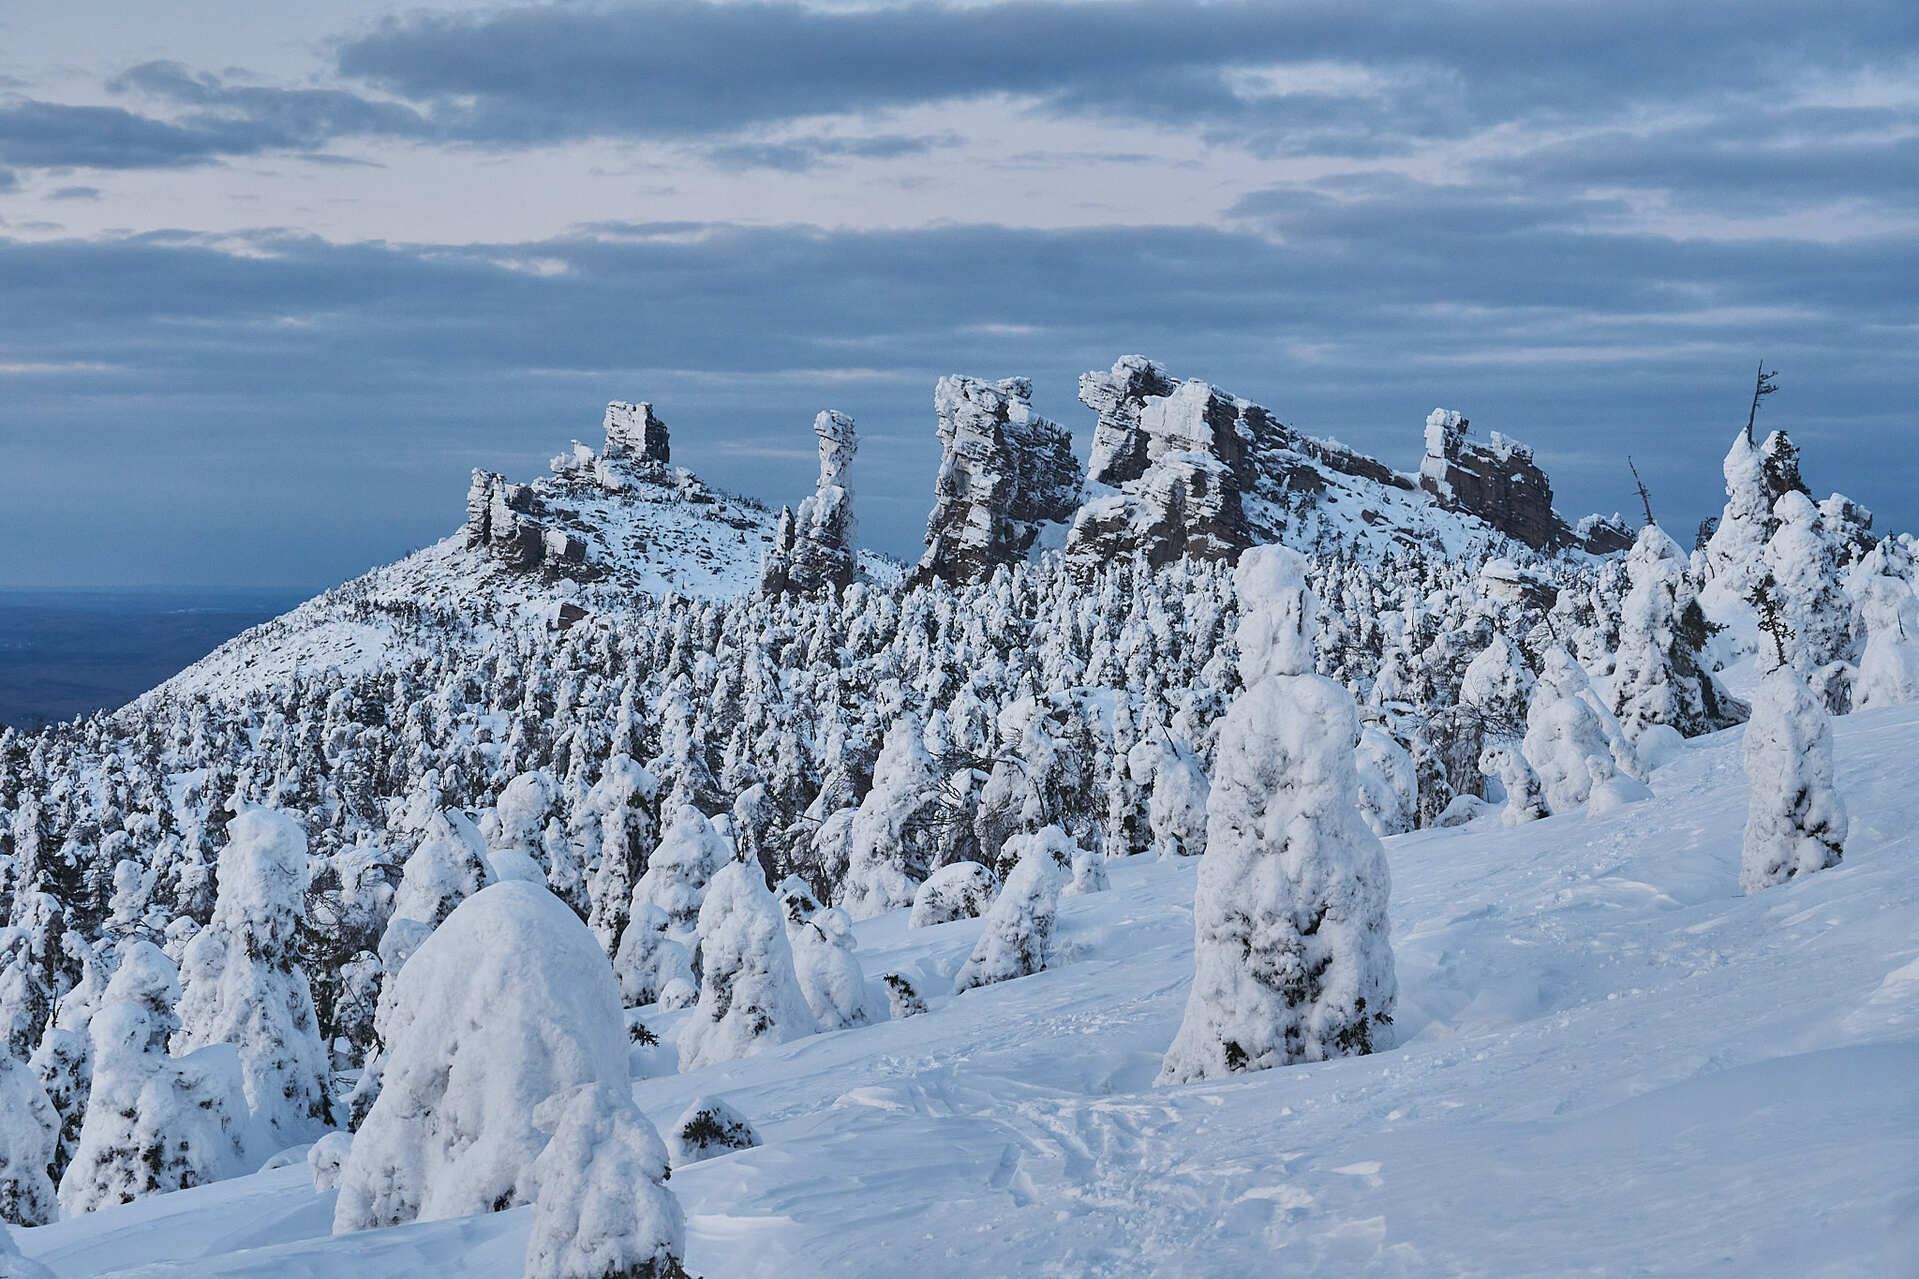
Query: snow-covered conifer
[29, 1129]
[1292, 959]
[677, 875]
[1017, 940]
[886, 854]
[255, 996]
[154, 1123]
[1889, 666]
[958, 890]
[707, 1128]
[1795, 820]
[829, 974]
[1089, 874]
[1804, 561]
[1566, 742]
[1388, 782]
[1176, 813]
[601, 1208]
[508, 1002]
[750, 997]
[1660, 675]
[649, 958]
[623, 799]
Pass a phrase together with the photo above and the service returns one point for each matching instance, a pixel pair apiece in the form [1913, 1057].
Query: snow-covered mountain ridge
[1609, 1062]
[607, 526]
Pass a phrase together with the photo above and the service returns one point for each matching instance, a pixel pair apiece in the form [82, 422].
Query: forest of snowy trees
[241, 922]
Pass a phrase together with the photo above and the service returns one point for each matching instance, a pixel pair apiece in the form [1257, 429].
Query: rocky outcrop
[1497, 481]
[633, 433]
[1178, 454]
[1005, 472]
[815, 548]
[503, 518]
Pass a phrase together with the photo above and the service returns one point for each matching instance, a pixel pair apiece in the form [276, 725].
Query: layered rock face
[1499, 482]
[632, 432]
[1005, 472]
[504, 519]
[1177, 456]
[815, 548]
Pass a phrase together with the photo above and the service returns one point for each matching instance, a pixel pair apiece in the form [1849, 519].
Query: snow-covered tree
[1889, 666]
[601, 1209]
[1176, 812]
[29, 1128]
[958, 890]
[887, 855]
[1292, 957]
[1803, 563]
[708, 1128]
[1567, 743]
[246, 987]
[623, 800]
[1795, 819]
[1660, 675]
[1525, 798]
[750, 997]
[650, 959]
[678, 874]
[509, 1002]
[1017, 939]
[829, 973]
[154, 1123]
[1388, 782]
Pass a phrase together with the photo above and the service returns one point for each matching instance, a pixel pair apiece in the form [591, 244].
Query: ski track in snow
[1609, 1063]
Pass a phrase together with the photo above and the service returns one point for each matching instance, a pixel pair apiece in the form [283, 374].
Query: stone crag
[1005, 472]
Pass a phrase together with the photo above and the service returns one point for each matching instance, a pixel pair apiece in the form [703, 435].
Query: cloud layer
[1581, 224]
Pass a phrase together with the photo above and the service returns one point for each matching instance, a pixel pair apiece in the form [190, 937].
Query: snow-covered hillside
[1609, 1062]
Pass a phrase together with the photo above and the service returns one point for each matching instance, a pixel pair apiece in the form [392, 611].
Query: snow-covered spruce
[958, 890]
[902, 996]
[1017, 940]
[326, 1160]
[750, 997]
[1795, 819]
[707, 1128]
[886, 859]
[1292, 958]
[509, 1001]
[1567, 744]
[1803, 563]
[1660, 675]
[1889, 666]
[1525, 799]
[623, 801]
[29, 1128]
[676, 876]
[601, 1209]
[829, 973]
[649, 960]
[154, 1123]
[1388, 783]
[246, 988]
[1176, 812]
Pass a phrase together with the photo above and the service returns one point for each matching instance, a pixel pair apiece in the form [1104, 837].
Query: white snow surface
[1609, 1061]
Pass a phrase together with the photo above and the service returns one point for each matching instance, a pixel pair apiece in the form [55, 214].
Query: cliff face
[505, 519]
[1005, 471]
[815, 547]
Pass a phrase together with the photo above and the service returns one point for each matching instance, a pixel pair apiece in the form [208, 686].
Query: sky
[274, 279]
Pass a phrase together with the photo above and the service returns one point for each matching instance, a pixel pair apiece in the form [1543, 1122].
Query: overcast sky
[272, 280]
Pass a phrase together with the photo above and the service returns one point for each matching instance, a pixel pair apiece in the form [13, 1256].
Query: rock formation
[633, 432]
[504, 519]
[815, 548]
[1006, 471]
[1497, 481]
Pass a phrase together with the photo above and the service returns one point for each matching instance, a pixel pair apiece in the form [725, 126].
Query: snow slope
[1610, 1063]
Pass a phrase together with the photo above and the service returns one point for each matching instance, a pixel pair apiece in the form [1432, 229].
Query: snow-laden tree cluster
[226, 908]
